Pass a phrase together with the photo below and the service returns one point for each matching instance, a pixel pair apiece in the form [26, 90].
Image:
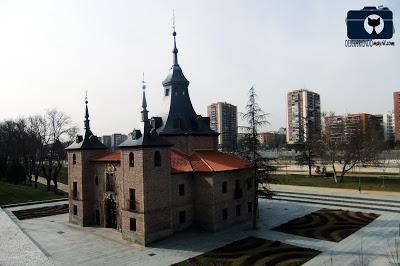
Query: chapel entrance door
[111, 211]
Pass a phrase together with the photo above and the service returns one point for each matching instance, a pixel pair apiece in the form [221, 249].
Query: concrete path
[73, 245]
[16, 248]
[61, 186]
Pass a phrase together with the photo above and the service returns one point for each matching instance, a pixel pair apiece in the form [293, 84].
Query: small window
[181, 189]
[75, 190]
[238, 211]
[131, 160]
[132, 199]
[157, 159]
[166, 92]
[224, 214]
[75, 210]
[249, 207]
[224, 187]
[249, 183]
[182, 217]
[96, 180]
[74, 158]
[132, 224]
[237, 184]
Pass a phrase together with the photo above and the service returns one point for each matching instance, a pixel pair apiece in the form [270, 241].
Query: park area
[11, 193]
[367, 182]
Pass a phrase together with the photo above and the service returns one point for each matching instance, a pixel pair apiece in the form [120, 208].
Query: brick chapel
[166, 177]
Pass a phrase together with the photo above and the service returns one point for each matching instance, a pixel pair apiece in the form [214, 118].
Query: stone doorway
[111, 214]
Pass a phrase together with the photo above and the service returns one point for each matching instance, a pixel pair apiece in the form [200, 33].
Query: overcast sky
[51, 52]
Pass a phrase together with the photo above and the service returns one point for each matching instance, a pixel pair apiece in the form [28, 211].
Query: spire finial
[144, 102]
[175, 51]
[173, 19]
[87, 125]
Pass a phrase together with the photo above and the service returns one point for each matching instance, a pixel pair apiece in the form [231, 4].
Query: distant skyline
[51, 52]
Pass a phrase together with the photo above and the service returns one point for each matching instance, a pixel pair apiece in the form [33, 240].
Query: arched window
[73, 158]
[157, 159]
[131, 160]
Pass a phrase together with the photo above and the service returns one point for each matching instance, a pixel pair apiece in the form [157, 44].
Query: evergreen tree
[249, 146]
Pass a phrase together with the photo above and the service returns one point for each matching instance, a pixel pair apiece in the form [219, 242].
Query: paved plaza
[52, 240]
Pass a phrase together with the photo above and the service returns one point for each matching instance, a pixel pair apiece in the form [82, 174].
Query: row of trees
[35, 146]
[342, 147]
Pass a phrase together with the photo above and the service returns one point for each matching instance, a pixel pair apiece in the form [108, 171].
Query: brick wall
[210, 201]
[182, 203]
[82, 174]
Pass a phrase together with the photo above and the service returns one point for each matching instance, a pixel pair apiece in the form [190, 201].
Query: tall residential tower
[304, 115]
[223, 119]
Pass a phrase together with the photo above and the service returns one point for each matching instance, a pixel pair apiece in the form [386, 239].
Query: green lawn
[10, 193]
[350, 182]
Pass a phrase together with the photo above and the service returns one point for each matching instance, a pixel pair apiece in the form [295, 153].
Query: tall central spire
[175, 51]
[145, 116]
[87, 121]
[176, 75]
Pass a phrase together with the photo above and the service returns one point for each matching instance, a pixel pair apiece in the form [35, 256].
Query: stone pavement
[73, 245]
[16, 248]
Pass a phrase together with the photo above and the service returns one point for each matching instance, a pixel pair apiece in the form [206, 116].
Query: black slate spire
[87, 121]
[145, 135]
[178, 116]
[89, 141]
[145, 116]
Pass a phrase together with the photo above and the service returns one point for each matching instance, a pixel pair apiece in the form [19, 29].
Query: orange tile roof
[216, 161]
[111, 157]
[198, 161]
[180, 162]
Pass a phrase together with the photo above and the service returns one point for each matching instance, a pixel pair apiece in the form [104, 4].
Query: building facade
[396, 115]
[304, 115]
[106, 140]
[388, 126]
[272, 140]
[117, 139]
[165, 177]
[223, 119]
[339, 127]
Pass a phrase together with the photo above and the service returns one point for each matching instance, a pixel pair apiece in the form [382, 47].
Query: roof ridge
[209, 167]
[179, 151]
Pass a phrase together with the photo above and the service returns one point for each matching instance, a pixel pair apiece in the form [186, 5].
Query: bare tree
[59, 129]
[38, 128]
[349, 147]
[306, 145]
